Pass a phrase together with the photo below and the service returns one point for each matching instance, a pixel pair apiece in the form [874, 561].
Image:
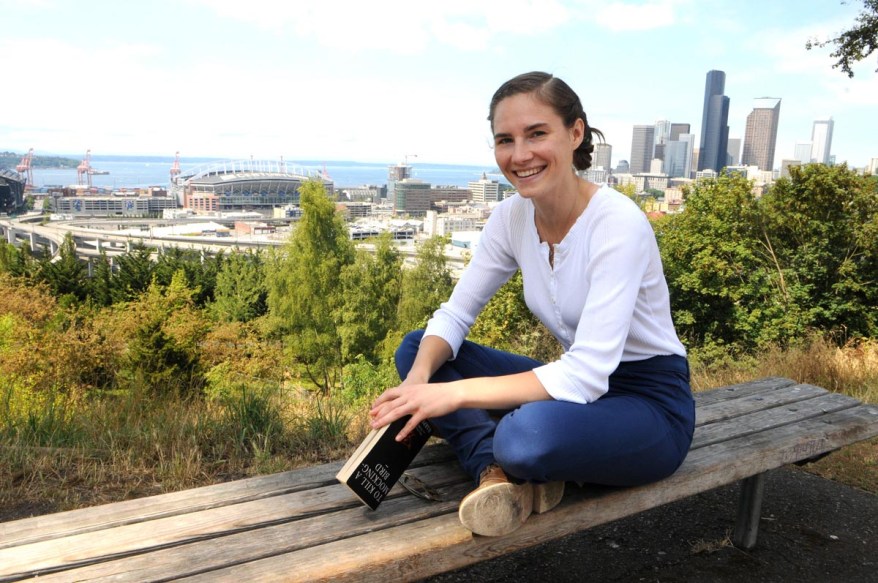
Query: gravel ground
[812, 530]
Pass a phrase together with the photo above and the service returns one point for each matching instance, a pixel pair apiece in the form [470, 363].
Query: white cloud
[624, 16]
[398, 26]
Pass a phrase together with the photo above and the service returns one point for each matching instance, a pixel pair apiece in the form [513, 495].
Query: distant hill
[11, 160]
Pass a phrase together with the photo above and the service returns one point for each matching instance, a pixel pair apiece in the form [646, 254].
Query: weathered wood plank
[742, 404]
[741, 390]
[84, 520]
[440, 544]
[762, 420]
[206, 555]
[176, 530]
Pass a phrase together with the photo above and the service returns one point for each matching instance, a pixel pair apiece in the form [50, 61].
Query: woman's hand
[420, 400]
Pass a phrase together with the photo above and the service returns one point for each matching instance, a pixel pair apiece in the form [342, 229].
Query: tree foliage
[856, 43]
[240, 293]
[65, 275]
[747, 272]
[305, 292]
[425, 286]
[371, 300]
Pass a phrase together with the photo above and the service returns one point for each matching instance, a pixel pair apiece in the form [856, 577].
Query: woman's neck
[555, 218]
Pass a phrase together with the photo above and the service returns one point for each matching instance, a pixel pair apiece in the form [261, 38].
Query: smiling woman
[615, 408]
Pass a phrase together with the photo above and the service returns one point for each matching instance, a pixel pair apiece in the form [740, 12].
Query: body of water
[138, 171]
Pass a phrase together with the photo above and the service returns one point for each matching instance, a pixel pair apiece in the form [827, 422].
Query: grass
[58, 454]
[851, 369]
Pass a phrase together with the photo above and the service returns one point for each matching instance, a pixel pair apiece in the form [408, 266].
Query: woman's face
[532, 146]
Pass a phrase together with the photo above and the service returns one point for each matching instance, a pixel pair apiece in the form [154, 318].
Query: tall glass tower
[760, 134]
[714, 123]
[821, 140]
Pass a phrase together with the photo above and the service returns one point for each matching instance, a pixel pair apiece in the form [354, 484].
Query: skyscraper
[677, 130]
[602, 156]
[642, 148]
[733, 153]
[803, 152]
[678, 156]
[714, 123]
[760, 134]
[821, 140]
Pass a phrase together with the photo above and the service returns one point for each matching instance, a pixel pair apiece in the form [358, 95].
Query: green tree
[240, 294]
[66, 274]
[371, 300]
[711, 261]
[19, 262]
[425, 286]
[856, 43]
[101, 283]
[305, 293]
[133, 273]
[200, 268]
[165, 331]
[820, 232]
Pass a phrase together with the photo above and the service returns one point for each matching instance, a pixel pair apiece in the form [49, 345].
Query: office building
[642, 148]
[602, 157]
[678, 156]
[734, 152]
[802, 153]
[484, 190]
[713, 147]
[677, 130]
[396, 173]
[760, 134]
[411, 197]
[821, 141]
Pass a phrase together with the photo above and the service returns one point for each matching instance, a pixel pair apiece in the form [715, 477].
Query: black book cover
[380, 460]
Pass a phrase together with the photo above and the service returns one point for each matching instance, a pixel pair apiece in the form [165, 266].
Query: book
[379, 461]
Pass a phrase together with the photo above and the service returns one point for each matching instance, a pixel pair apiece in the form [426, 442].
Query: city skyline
[389, 80]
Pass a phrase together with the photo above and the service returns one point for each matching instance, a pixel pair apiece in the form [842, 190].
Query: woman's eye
[538, 134]
[501, 141]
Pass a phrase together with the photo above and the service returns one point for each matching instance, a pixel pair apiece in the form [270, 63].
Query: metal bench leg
[749, 510]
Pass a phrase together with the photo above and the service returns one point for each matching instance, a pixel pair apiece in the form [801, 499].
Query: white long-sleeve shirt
[605, 300]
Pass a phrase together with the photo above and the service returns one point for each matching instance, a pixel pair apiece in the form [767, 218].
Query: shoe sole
[496, 510]
[547, 496]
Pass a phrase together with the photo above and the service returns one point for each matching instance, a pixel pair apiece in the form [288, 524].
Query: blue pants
[638, 432]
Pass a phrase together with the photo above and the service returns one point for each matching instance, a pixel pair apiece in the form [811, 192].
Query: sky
[406, 80]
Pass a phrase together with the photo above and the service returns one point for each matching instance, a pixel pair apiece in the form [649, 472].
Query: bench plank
[84, 520]
[303, 523]
[441, 544]
[169, 531]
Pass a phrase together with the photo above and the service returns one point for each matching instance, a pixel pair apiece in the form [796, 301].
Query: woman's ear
[578, 132]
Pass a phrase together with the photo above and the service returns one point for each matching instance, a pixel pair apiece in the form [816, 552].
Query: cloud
[397, 26]
[630, 16]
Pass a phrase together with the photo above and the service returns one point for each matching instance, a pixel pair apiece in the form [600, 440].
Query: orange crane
[84, 170]
[24, 168]
[175, 167]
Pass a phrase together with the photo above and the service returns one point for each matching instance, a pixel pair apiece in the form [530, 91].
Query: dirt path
[812, 530]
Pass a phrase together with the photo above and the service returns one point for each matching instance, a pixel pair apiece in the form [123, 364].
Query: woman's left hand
[421, 401]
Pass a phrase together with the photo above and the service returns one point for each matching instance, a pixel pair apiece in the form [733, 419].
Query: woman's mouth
[528, 173]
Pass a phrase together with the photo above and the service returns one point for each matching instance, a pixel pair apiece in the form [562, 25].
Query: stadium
[243, 185]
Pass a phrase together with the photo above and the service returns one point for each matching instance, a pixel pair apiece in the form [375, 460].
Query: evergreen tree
[65, 275]
[241, 292]
[133, 273]
[371, 300]
[305, 294]
[425, 286]
[101, 283]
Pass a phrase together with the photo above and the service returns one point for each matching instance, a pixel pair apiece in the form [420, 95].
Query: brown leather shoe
[497, 506]
[547, 496]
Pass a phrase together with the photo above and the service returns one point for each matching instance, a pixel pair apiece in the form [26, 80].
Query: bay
[141, 171]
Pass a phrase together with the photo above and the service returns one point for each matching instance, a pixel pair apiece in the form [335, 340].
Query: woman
[616, 408]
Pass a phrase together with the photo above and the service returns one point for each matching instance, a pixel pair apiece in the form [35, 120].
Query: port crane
[84, 171]
[175, 167]
[24, 168]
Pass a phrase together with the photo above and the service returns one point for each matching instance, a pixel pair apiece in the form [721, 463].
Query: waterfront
[139, 171]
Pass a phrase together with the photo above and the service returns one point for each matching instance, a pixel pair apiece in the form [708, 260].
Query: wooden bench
[303, 526]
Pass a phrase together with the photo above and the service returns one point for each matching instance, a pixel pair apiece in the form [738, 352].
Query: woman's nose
[521, 151]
